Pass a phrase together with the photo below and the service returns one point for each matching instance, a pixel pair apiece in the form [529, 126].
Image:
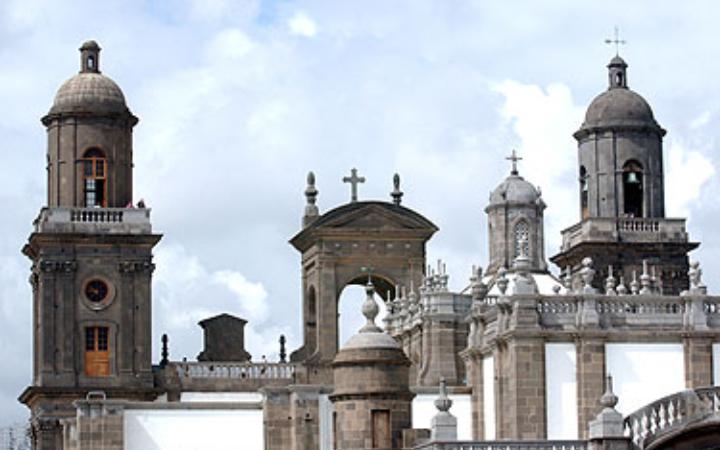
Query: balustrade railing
[643, 225]
[557, 306]
[670, 413]
[102, 215]
[504, 445]
[639, 306]
[267, 371]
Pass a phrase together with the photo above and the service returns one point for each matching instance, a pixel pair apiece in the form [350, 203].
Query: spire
[90, 57]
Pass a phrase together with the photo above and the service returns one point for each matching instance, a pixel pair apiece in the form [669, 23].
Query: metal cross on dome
[354, 180]
[617, 41]
[514, 158]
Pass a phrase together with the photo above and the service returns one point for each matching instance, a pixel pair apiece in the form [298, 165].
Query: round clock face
[96, 290]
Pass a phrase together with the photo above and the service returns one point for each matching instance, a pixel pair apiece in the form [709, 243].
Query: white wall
[325, 412]
[423, 410]
[643, 373]
[561, 391]
[489, 397]
[243, 397]
[193, 430]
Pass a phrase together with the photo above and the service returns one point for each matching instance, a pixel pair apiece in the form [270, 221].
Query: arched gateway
[344, 245]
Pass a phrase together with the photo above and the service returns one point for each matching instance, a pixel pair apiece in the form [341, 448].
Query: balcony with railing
[227, 376]
[625, 229]
[94, 220]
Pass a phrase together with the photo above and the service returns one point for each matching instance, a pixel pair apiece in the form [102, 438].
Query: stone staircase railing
[264, 371]
[670, 413]
[504, 445]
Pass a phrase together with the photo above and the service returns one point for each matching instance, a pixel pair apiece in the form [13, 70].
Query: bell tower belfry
[380, 240]
[621, 192]
[91, 254]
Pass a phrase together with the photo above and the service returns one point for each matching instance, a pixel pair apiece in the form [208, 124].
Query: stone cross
[617, 41]
[514, 158]
[354, 180]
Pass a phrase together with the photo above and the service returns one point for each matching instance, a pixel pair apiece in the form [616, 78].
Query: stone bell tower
[91, 254]
[621, 192]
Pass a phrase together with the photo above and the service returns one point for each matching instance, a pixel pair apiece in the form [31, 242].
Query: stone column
[99, 425]
[697, 353]
[590, 379]
[276, 418]
[304, 413]
[523, 400]
[474, 369]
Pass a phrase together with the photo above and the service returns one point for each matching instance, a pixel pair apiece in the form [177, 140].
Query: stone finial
[311, 193]
[634, 284]
[396, 193]
[502, 281]
[522, 260]
[609, 423]
[587, 273]
[621, 288]
[443, 425]
[608, 399]
[370, 310]
[610, 282]
[443, 402]
[283, 353]
[442, 276]
[645, 281]
[165, 353]
[413, 304]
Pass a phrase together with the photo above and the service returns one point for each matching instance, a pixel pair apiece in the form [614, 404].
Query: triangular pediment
[374, 217]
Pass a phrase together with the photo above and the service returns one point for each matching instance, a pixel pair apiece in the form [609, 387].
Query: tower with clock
[91, 254]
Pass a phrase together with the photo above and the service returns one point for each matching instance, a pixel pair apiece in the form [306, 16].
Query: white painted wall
[489, 397]
[561, 391]
[716, 364]
[423, 410]
[242, 397]
[193, 430]
[643, 373]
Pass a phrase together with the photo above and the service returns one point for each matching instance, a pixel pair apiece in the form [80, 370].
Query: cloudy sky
[238, 100]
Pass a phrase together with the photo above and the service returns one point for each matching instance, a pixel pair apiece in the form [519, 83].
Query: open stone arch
[343, 246]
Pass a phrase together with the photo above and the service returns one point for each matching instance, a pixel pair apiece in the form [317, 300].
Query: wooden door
[381, 435]
[97, 356]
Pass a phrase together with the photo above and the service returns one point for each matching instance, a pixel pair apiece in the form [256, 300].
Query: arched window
[521, 235]
[94, 167]
[633, 188]
[584, 210]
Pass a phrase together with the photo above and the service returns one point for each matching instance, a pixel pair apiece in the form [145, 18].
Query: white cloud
[301, 24]
[687, 172]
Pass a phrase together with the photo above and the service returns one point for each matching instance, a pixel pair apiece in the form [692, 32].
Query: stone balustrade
[627, 229]
[94, 220]
[671, 413]
[504, 445]
[263, 371]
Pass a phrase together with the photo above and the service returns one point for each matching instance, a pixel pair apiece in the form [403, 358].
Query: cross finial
[514, 158]
[617, 41]
[354, 180]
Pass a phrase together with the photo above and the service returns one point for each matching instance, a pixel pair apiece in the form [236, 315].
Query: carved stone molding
[66, 266]
[131, 266]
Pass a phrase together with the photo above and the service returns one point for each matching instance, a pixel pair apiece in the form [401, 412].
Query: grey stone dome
[514, 189]
[619, 107]
[89, 92]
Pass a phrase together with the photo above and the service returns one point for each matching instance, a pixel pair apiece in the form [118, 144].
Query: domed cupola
[89, 130]
[620, 153]
[619, 106]
[515, 222]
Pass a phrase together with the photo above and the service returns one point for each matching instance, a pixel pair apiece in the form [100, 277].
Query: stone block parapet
[625, 229]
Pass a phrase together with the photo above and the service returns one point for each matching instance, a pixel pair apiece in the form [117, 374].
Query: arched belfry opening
[632, 180]
[350, 298]
[584, 188]
[343, 247]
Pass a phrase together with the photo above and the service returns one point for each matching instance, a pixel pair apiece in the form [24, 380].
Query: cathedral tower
[621, 191]
[92, 258]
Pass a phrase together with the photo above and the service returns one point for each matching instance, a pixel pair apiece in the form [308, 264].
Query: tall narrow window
[97, 355]
[94, 166]
[633, 189]
[522, 239]
[584, 210]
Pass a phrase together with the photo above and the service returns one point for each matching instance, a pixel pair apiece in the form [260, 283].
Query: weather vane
[617, 41]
